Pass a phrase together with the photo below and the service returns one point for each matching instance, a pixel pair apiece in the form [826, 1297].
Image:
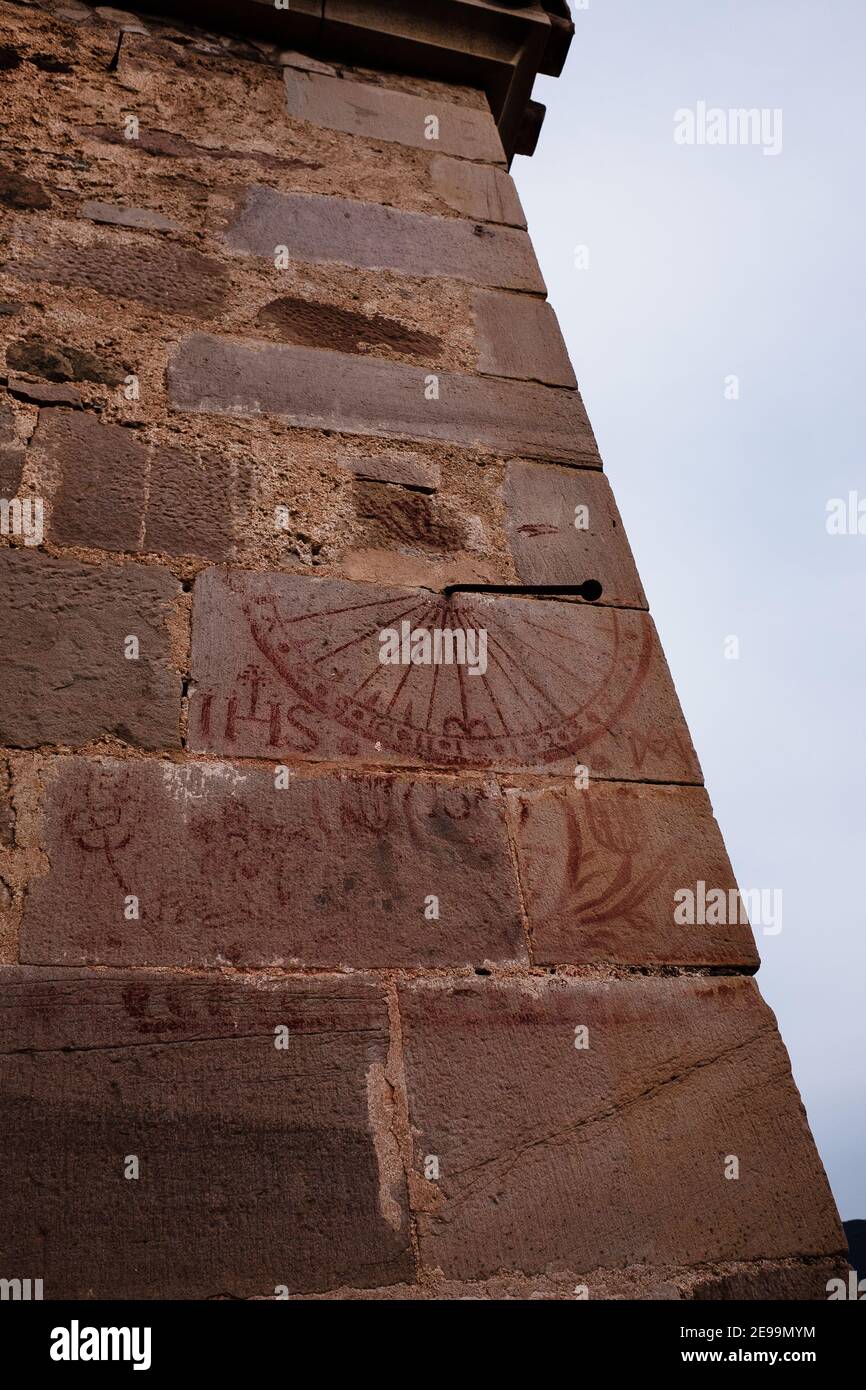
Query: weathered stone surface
[116, 493]
[64, 677]
[759, 1280]
[169, 278]
[405, 470]
[229, 869]
[770, 1283]
[288, 58]
[11, 466]
[258, 1167]
[8, 433]
[19, 192]
[194, 504]
[43, 392]
[381, 113]
[368, 235]
[61, 361]
[11, 454]
[599, 868]
[541, 512]
[313, 324]
[422, 569]
[102, 470]
[7, 808]
[477, 190]
[565, 683]
[166, 145]
[361, 395]
[519, 336]
[128, 217]
[393, 516]
[129, 23]
[613, 1154]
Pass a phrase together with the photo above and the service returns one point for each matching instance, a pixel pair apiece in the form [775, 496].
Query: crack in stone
[190, 1042]
[508, 1160]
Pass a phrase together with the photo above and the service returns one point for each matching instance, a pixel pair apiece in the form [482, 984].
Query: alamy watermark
[421, 646]
[846, 516]
[713, 125]
[77, 1343]
[20, 1290]
[854, 1288]
[718, 907]
[23, 517]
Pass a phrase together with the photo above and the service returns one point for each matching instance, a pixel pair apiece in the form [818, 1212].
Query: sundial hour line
[494, 642]
[363, 637]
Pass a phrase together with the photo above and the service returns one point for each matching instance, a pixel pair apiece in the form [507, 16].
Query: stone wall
[381, 999]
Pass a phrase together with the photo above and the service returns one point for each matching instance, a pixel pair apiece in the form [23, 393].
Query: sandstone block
[612, 1154]
[391, 466]
[168, 278]
[196, 503]
[564, 683]
[64, 677]
[322, 229]
[519, 336]
[128, 217]
[43, 392]
[381, 113]
[600, 868]
[257, 1167]
[564, 527]
[229, 867]
[477, 190]
[11, 454]
[364, 395]
[115, 492]
[313, 324]
[103, 472]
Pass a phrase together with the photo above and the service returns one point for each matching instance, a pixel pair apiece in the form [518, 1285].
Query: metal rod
[590, 589]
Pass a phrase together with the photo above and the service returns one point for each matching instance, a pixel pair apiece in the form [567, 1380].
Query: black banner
[250, 1337]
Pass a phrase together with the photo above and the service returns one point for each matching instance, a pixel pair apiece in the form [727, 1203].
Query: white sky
[704, 262]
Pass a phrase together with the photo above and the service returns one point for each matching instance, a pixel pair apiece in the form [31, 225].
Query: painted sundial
[330, 669]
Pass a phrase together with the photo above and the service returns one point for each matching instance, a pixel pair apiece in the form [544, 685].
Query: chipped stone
[315, 324]
[403, 470]
[43, 393]
[61, 362]
[20, 192]
[289, 59]
[129, 217]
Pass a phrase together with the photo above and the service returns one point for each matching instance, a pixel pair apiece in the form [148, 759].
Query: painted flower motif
[102, 824]
[368, 803]
[98, 827]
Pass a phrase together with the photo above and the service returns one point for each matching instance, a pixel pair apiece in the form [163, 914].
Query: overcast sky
[707, 262]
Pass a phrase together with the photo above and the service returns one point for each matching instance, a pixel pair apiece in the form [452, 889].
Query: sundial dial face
[283, 664]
